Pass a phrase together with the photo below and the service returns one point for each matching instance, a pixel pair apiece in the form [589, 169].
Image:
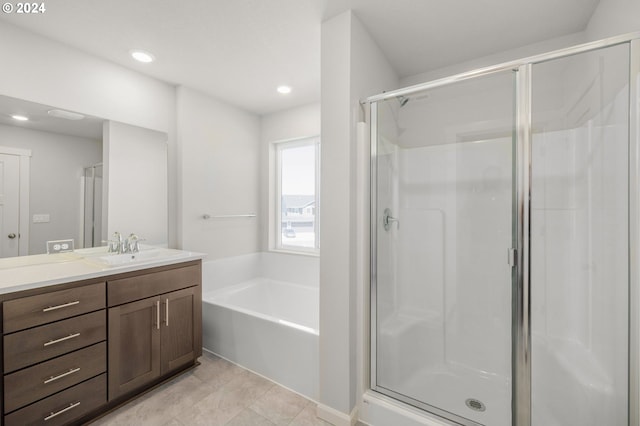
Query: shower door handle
[512, 257]
[388, 220]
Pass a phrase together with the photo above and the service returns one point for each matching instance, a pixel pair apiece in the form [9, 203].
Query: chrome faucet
[120, 245]
[133, 243]
[124, 246]
[116, 243]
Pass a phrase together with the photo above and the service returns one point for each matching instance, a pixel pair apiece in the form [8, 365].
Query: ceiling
[239, 51]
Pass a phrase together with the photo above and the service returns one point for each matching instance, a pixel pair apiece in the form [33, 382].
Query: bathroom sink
[143, 256]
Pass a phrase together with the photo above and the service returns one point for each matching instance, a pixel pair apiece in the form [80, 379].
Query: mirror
[55, 182]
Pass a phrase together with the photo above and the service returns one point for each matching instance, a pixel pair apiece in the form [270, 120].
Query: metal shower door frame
[449, 418]
[634, 232]
[374, 220]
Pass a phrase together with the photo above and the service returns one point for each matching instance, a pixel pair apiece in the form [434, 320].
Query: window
[297, 195]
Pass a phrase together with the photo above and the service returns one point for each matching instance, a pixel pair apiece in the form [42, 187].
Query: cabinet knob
[11, 235]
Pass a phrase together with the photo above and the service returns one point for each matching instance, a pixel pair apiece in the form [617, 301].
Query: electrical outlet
[59, 246]
[41, 218]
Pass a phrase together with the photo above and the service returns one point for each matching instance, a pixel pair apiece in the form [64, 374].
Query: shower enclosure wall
[504, 241]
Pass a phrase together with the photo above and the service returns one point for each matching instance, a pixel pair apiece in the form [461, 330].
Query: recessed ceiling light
[142, 56]
[284, 89]
[20, 117]
[68, 115]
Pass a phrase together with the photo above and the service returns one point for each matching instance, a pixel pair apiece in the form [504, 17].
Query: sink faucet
[133, 243]
[120, 245]
[115, 245]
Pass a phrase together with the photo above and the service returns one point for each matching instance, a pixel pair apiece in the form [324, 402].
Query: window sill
[296, 252]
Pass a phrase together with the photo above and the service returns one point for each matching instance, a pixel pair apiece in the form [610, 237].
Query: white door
[9, 205]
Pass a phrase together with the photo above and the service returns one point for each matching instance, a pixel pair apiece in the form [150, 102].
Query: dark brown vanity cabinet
[73, 351]
[54, 349]
[153, 336]
[180, 328]
[134, 339]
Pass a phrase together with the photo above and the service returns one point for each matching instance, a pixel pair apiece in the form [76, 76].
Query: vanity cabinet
[154, 336]
[134, 335]
[53, 342]
[180, 328]
[73, 351]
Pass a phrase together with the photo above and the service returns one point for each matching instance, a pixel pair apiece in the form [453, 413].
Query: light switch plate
[41, 218]
[59, 246]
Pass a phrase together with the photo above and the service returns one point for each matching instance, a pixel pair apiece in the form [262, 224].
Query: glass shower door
[580, 239]
[443, 220]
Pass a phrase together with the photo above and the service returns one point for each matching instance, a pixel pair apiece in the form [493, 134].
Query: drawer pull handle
[60, 376]
[62, 339]
[158, 315]
[64, 305]
[64, 410]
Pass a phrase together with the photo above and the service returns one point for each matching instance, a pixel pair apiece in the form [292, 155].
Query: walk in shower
[504, 262]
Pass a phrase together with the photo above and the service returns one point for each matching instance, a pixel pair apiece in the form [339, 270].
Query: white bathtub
[266, 325]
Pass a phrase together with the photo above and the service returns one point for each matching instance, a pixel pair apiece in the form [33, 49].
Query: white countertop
[27, 272]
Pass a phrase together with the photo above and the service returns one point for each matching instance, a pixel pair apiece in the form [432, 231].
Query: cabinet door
[179, 327]
[134, 345]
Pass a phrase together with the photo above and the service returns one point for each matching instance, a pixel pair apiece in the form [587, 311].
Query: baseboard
[337, 418]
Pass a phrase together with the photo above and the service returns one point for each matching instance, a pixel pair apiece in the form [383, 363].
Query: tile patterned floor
[216, 393]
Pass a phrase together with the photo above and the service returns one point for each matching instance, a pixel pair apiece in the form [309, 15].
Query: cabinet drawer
[38, 344]
[148, 285]
[31, 384]
[64, 407]
[40, 309]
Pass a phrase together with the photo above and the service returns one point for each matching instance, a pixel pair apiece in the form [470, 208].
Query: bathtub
[267, 325]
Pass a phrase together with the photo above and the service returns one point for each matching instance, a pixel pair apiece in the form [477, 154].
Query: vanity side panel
[2, 370]
[198, 315]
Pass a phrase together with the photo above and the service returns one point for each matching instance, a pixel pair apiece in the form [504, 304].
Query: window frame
[276, 239]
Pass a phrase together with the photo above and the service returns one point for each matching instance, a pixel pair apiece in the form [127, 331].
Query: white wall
[57, 163]
[485, 61]
[295, 123]
[353, 67]
[135, 182]
[219, 162]
[613, 17]
[43, 71]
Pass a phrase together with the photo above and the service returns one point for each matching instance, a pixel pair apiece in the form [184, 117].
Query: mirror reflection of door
[9, 205]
